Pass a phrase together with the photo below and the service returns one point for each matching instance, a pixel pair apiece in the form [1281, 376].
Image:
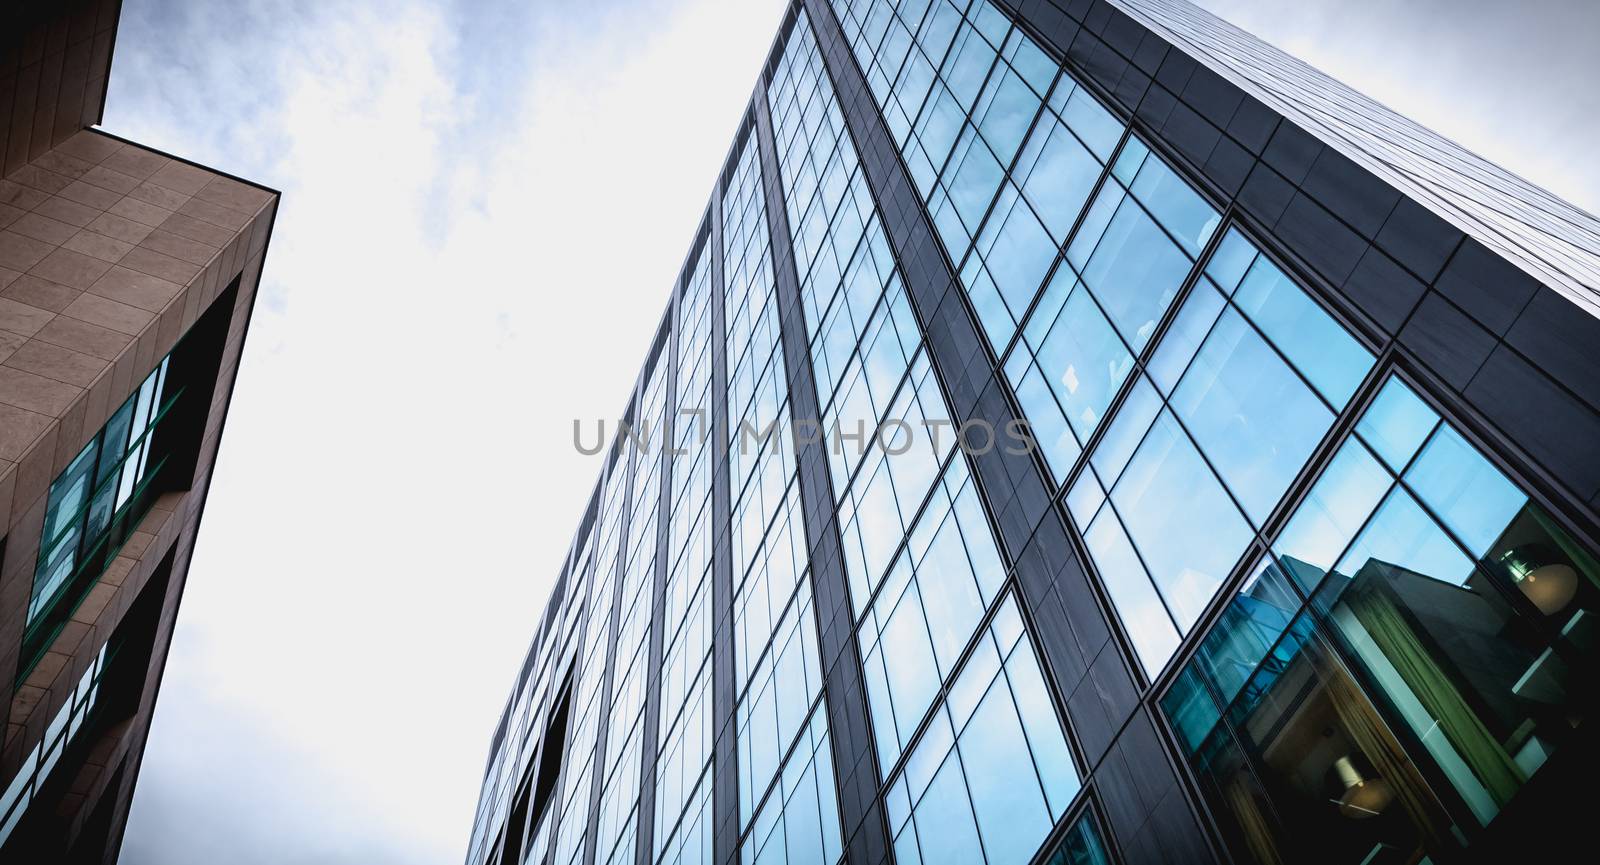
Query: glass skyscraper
[1081, 433]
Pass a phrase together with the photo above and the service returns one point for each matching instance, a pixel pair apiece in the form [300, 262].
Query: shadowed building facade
[127, 277]
[1298, 568]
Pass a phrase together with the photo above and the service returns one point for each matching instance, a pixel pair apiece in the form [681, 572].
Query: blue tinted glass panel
[1254, 418]
[1084, 362]
[1323, 351]
[1232, 258]
[992, 772]
[1143, 614]
[1335, 509]
[1177, 515]
[1176, 205]
[1473, 497]
[1189, 329]
[1396, 424]
[1135, 272]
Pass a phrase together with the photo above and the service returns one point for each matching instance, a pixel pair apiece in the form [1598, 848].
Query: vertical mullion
[603, 695]
[644, 827]
[725, 770]
[855, 761]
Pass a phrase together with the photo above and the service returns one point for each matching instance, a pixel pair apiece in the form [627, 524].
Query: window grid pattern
[542, 690]
[1410, 552]
[777, 679]
[799, 822]
[927, 607]
[1122, 270]
[992, 774]
[875, 380]
[684, 725]
[578, 774]
[91, 508]
[619, 795]
[18, 793]
[1074, 244]
[1217, 424]
[1004, 147]
[757, 384]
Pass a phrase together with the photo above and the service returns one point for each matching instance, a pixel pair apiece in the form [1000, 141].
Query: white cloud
[397, 485]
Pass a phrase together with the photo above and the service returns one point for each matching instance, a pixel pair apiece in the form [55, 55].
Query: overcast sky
[484, 206]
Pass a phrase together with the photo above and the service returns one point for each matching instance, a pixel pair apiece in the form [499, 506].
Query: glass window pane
[1254, 418]
[1085, 497]
[1130, 160]
[1018, 253]
[944, 820]
[1090, 120]
[1051, 757]
[1190, 708]
[1007, 773]
[1046, 423]
[1059, 177]
[1396, 423]
[1135, 272]
[1094, 224]
[1335, 509]
[1341, 787]
[1146, 619]
[973, 177]
[1127, 430]
[1084, 362]
[1189, 329]
[68, 494]
[1178, 517]
[1081, 846]
[1402, 535]
[1011, 812]
[1473, 497]
[1247, 630]
[1318, 346]
[1485, 694]
[1231, 260]
[1176, 205]
[114, 441]
[1009, 111]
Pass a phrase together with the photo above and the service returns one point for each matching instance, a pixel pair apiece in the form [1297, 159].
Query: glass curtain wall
[782, 728]
[602, 577]
[619, 792]
[1177, 405]
[1406, 636]
[923, 568]
[683, 777]
[1409, 653]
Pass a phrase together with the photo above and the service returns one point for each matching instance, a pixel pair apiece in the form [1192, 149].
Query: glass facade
[1421, 609]
[1266, 588]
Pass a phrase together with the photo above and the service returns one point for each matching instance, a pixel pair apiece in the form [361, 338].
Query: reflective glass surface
[926, 610]
[684, 724]
[966, 792]
[1004, 147]
[1251, 391]
[1444, 606]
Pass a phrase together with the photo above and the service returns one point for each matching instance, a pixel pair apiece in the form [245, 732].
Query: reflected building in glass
[1297, 564]
[127, 279]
